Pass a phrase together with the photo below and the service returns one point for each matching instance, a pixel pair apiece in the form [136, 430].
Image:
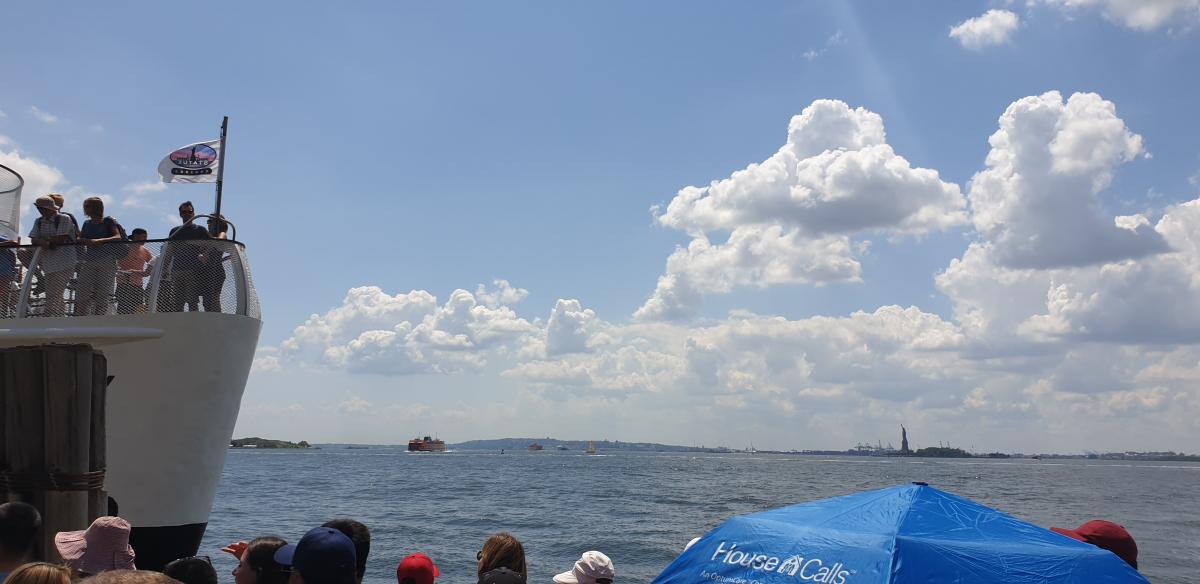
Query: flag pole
[221, 164]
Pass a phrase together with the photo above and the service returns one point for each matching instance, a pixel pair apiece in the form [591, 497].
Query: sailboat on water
[591, 449]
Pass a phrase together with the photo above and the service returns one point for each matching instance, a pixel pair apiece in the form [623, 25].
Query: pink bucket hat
[103, 546]
[591, 568]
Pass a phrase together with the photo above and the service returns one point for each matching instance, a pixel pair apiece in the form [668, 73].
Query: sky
[787, 225]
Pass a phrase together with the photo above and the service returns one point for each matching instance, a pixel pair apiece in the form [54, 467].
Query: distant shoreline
[552, 444]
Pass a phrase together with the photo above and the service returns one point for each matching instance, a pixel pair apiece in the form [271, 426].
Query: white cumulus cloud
[1144, 15]
[791, 218]
[994, 27]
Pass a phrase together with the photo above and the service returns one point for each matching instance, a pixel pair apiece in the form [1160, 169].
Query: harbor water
[642, 508]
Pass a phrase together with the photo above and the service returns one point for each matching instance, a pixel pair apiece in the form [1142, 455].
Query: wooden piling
[51, 412]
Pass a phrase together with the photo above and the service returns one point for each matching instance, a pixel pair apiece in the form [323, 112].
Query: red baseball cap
[416, 569]
[1106, 535]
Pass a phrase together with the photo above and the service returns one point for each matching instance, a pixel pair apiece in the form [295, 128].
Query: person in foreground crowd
[591, 568]
[19, 523]
[502, 550]
[40, 573]
[256, 561]
[323, 556]
[358, 534]
[129, 577]
[195, 570]
[1105, 535]
[501, 576]
[416, 569]
[96, 273]
[103, 546]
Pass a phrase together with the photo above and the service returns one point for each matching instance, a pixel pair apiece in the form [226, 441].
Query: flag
[194, 163]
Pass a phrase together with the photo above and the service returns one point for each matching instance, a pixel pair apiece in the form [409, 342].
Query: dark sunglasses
[479, 555]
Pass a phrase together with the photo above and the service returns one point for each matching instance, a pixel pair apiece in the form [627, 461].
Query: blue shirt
[8, 267]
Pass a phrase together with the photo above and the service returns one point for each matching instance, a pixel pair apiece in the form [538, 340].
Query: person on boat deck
[256, 561]
[19, 523]
[185, 261]
[323, 556]
[502, 550]
[60, 202]
[99, 268]
[129, 577]
[8, 274]
[212, 274]
[130, 271]
[53, 231]
[356, 531]
[1105, 535]
[194, 570]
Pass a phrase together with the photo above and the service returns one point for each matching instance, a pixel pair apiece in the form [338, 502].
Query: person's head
[138, 234]
[218, 225]
[58, 199]
[186, 211]
[591, 568]
[416, 569]
[93, 207]
[323, 556]
[1106, 535]
[129, 577]
[257, 564]
[502, 550]
[193, 570]
[359, 534]
[40, 573]
[19, 523]
[46, 206]
[103, 546]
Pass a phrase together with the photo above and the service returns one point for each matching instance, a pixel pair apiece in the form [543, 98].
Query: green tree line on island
[256, 442]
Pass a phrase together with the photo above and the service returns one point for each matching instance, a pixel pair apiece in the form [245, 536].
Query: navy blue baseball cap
[323, 556]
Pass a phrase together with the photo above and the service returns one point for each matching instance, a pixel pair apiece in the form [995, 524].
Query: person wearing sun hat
[103, 546]
[323, 556]
[591, 568]
[1105, 535]
[416, 569]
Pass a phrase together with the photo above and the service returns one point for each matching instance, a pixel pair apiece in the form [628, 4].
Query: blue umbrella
[911, 534]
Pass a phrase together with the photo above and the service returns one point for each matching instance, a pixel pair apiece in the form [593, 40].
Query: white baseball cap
[590, 567]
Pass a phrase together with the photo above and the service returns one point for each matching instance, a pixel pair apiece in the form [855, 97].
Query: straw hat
[101, 547]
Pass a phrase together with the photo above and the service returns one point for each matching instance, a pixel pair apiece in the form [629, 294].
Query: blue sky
[423, 147]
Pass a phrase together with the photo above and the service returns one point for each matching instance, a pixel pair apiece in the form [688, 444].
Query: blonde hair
[130, 577]
[40, 573]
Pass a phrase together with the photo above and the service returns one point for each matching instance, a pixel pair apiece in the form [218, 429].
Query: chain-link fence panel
[129, 277]
[10, 204]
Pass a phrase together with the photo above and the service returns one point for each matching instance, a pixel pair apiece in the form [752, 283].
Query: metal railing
[127, 277]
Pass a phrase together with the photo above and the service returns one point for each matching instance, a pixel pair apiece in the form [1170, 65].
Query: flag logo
[196, 162]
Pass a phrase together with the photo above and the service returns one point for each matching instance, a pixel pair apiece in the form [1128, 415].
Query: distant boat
[535, 447]
[561, 447]
[426, 444]
[591, 449]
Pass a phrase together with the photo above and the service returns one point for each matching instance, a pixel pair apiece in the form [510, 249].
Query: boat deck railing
[209, 275]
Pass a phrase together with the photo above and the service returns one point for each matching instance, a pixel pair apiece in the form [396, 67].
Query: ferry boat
[178, 373]
[535, 447]
[426, 444]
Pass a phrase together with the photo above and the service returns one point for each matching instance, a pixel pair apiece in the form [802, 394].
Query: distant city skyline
[787, 224]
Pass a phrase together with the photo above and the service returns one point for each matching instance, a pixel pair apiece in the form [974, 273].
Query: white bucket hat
[590, 567]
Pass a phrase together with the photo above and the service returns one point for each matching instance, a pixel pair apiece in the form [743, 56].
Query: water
[641, 509]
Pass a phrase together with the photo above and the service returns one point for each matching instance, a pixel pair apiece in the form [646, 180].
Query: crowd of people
[87, 259]
[334, 553]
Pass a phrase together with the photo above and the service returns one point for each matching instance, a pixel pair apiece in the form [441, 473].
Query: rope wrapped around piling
[50, 480]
